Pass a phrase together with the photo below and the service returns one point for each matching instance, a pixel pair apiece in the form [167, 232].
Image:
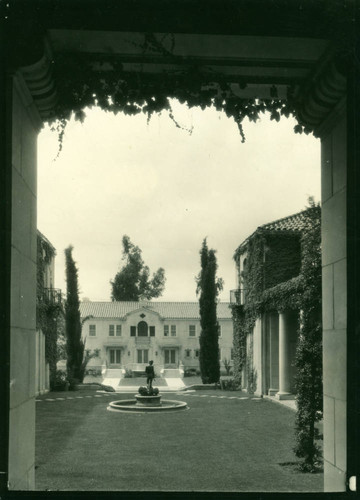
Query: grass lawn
[220, 444]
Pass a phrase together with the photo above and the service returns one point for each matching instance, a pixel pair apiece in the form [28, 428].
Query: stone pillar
[285, 324]
[274, 354]
[334, 300]
[25, 123]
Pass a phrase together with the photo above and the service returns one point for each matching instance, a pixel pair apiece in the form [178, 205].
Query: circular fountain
[147, 402]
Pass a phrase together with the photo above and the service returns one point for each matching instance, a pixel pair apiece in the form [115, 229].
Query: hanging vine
[84, 83]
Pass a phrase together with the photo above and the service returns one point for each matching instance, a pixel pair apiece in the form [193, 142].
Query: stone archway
[226, 40]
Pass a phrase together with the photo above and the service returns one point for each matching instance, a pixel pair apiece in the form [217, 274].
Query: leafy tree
[133, 281]
[76, 355]
[309, 348]
[208, 286]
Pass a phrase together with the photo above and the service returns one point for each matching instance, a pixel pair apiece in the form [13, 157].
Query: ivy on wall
[284, 248]
[308, 360]
[300, 293]
[47, 312]
[272, 259]
[240, 333]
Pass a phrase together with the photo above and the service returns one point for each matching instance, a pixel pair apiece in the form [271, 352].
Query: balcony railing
[238, 296]
[52, 296]
[142, 340]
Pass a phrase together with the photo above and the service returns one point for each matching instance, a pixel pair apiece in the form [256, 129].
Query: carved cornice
[39, 80]
[324, 93]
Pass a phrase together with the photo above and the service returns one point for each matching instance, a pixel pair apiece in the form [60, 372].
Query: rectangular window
[92, 330]
[152, 331]
[232, 354]
[219, 330]
[192, 330]
[166, 330]
[187, 353]
[142, 356]
[132, 331]
[173, 330]
[197, 352]
[111, 330]
[118, 330]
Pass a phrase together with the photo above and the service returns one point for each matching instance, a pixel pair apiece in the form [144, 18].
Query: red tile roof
[292, 223]
[167, 310]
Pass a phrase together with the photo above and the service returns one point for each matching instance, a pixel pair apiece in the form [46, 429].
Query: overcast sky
[167, 190]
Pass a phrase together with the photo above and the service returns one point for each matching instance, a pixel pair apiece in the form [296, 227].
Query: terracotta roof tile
[296, 222]
[167, 310]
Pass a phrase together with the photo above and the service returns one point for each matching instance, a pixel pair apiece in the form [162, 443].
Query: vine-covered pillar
[285, 329]
[274, 353]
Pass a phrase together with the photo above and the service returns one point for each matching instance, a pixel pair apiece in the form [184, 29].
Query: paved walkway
[100, 394]
[132, 385]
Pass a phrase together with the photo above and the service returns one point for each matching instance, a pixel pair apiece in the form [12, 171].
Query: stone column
[274, 354]
[284, 356]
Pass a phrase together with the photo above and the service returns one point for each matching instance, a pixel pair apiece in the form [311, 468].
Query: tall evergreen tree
[208, 286]
[74, 344]
[76, 355]
[133, 281]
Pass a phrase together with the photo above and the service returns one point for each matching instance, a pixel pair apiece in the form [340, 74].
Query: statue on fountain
[150, 375]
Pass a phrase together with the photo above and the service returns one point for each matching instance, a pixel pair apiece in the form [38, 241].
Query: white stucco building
[129, 334]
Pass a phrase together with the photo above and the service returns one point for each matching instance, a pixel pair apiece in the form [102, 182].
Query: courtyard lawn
[225, 442]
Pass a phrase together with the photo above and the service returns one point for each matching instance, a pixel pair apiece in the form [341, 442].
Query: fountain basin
[133, 406]
[148, 400]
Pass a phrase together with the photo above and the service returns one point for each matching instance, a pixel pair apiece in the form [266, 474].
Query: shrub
[61, 382]
[144, 391]
[94, 372]
[190, 372]
[229, 385]
[128, 373]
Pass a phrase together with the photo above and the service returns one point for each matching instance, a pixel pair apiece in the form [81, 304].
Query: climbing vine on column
[309, 390]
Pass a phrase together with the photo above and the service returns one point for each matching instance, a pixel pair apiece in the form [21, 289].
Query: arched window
[142, 329]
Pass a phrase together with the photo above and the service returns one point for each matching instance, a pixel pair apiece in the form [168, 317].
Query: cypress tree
[75, 346]
[208, 286]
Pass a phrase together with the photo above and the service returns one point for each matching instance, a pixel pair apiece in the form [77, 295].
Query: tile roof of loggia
[167, 310]
[292, 223]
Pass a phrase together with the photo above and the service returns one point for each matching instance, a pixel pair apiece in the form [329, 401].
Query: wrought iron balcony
[238, 296]
[52, 296]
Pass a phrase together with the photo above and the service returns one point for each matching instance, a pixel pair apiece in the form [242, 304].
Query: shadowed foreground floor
[225, 442]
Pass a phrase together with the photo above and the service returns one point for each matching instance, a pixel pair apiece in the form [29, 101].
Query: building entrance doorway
[114, 357]
[170, 358]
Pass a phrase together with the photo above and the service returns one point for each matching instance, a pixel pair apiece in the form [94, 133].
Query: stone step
[112, 382]
[171, 373]
[114, 373]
